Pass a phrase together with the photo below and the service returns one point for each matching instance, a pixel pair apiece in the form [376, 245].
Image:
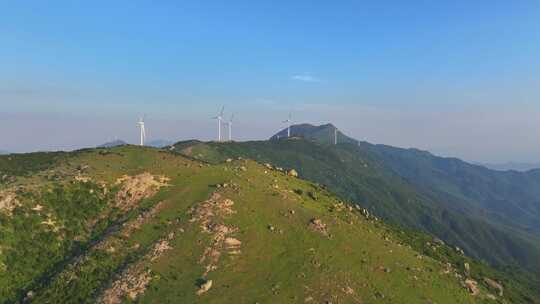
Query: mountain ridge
[141, 224]
[511, 166]
[450, 215]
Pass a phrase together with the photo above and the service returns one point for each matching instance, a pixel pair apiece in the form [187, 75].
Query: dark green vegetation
[138, 224]
[27, 164]
[506, 203]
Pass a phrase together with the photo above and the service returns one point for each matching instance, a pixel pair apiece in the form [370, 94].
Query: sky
[458, 78]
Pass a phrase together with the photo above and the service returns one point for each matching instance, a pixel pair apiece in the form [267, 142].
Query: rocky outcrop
[318, 225]
[472, 286]
[292, 173]
[494, 286]
[467, 268]
[204, 287]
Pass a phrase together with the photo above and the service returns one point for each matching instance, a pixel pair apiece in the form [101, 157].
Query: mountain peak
[321, 133]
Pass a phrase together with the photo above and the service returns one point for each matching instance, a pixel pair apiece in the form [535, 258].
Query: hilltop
[141, 224]
[156, 143]
[322, 133]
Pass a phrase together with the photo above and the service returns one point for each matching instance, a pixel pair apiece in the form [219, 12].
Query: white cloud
[305, 78]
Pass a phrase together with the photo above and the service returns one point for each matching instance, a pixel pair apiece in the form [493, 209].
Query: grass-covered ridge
[361, 177]
[138, 224]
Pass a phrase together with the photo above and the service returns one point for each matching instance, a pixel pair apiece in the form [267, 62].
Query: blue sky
[458, 78]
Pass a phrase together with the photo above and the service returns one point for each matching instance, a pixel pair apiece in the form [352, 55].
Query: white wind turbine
[143, 131]
[219, 117]
[229, 124]
[288, 122]
[335, 135]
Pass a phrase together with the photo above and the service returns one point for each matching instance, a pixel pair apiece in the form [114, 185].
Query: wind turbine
[219, 117]
[335, 135]
[288, 122]
[143, 131]
[229, 124]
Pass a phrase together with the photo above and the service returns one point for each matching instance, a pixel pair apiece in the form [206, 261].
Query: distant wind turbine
[335, 135]
[229, 124]
[219, 117]
[288, 122]
[143, 131]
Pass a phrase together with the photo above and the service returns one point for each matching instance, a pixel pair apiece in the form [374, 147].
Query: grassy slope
[363, 178]
[298, 263]
[498, 213]
[291, 264]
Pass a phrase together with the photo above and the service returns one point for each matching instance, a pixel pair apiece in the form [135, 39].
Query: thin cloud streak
[305, 78]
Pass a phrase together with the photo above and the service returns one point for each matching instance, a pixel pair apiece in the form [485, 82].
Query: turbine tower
[288, 122]
[219, 117]
[335, 135]
[229, 124]
[143, 131]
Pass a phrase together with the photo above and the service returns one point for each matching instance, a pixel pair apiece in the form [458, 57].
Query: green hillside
[494, 215]
[510, 198]
[363, 178]
[131, 224]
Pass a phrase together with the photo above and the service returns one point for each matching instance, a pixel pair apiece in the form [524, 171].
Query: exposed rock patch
[208, 214]
[135, 279]
[8, 202]
[467, 268]
[136, 188]
[494, 286]
[159, 248]
[131, 284]
[318, 225]
[204, 287]
[82, 179]
[37, 208]
[472, 286]
[292, 173]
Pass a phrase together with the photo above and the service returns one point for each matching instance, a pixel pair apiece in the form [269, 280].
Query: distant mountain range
[159, 143]
[511, 166]
[2, 152]
[114, 143]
